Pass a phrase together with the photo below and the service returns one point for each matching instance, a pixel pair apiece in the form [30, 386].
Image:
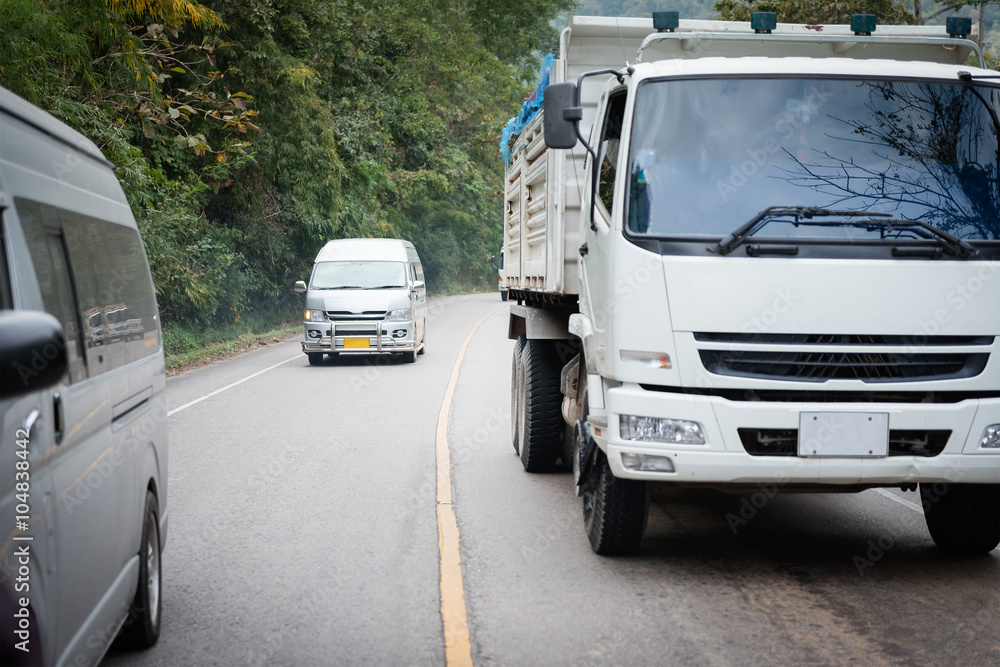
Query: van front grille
[348, 315]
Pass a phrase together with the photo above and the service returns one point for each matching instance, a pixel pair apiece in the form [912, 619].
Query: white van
[365, 296]
[83, 450]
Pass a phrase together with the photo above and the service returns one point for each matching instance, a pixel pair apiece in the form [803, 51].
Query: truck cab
[784, 245]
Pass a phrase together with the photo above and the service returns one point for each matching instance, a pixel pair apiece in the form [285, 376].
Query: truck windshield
[707, 155]
[359, 275]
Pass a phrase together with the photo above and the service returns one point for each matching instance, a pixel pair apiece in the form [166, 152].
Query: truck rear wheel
[962, 518]
[538, 397]
[515, 374]
[614, 511]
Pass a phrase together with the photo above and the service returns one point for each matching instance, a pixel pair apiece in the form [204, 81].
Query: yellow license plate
[356, 343]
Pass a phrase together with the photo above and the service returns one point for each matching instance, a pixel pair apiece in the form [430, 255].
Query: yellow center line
[457, 647]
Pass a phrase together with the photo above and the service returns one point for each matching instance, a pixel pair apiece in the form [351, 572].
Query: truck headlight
[658, 429]
[991, 437]
[400, 315]
[315, 316]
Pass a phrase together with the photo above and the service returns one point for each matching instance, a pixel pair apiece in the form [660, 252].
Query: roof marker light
[666, 21]
[959, 26]
[763, 22]
[863, 25]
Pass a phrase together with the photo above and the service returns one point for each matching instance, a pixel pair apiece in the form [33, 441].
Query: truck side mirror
[300, 287]
[561, 115]
[33, 355]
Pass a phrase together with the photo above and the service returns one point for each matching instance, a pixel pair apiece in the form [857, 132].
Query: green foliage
[247, 133]
[817, 11]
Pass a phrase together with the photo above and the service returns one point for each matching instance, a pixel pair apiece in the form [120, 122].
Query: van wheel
[142, 628]
[409, 357]
[614, 511]
[962, 518]
[539, 437]
[315, 358]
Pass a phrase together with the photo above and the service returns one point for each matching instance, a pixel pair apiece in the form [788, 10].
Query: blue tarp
[528, 110]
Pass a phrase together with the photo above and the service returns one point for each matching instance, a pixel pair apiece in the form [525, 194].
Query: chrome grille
[348, 315]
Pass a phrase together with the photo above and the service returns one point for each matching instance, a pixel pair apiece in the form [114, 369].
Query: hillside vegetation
[248, 132]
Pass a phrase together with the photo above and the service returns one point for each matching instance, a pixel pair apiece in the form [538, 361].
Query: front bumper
[724, 459]
[359, 337]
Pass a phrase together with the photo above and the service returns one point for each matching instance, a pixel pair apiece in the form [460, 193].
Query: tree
[815, 11]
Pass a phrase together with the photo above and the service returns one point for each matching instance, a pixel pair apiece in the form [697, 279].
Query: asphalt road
[303, 531]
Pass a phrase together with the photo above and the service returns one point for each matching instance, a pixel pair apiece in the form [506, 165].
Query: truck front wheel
[614, 511]
[539, 423]
[962, 518]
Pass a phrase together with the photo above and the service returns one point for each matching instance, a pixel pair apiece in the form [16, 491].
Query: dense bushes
[248, 132]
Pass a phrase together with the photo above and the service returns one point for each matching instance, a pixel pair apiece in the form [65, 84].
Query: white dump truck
[759, 258]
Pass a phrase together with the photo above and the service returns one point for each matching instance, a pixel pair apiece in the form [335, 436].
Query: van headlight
[315, 316]
[400, 315]
[657, 429]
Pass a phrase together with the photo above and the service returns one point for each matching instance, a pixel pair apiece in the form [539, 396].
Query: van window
[359, 275]
[114, 295]
[48, 254]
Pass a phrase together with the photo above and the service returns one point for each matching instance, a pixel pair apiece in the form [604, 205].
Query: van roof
[42, 121]
[388, 250]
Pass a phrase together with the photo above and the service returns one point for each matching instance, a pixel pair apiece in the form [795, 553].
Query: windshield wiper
[344, 287]
[800, 213]
[951, 243]
[387, 287]
[802, 216]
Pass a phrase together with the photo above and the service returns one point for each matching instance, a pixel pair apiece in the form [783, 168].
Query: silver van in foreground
[365, 296]
[83, 421]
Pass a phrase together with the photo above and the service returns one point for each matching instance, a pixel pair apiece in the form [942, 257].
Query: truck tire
[962, 518]
[539, 435]
[515, 374]
[614, 511]
[142, 628]
[315, 358]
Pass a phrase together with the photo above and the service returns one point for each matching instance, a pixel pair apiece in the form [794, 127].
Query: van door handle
[30, 422]
[60, 422]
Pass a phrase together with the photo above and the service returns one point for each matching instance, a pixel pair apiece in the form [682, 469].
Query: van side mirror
[300, 287]
[561, 115]
[417, 284]
[33, 355]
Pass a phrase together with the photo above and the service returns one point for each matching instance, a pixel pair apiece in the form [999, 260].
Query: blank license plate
[356, 343]
[853, 434]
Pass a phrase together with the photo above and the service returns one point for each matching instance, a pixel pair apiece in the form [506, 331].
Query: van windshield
[708, 155]
[359, 275]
